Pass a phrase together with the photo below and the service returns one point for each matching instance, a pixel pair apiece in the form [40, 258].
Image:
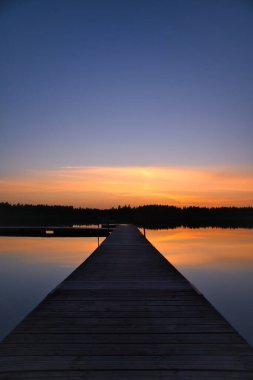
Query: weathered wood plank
[121, 329]
[145, 295]
[126, 314]
[110, 362]
[127, 306]
[123, 349]
[128, 375]
[96, 338]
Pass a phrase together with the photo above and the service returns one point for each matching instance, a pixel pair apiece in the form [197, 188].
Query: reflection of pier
[55, 231]
[125, 313]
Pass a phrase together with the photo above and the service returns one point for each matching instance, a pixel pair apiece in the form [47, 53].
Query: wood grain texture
[125, 313]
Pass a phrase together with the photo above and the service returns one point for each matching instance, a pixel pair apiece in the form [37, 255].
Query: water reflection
[219, 262]
[31, 267]
[205, 246]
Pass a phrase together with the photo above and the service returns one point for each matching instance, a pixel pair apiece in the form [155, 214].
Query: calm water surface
[219, 262]
[31, 267]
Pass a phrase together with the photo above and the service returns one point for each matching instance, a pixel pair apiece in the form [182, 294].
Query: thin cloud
[109, 186]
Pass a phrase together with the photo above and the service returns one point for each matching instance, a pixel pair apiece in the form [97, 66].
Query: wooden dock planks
[125, 313]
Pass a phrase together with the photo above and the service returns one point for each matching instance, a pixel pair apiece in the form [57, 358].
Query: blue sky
[125, 83]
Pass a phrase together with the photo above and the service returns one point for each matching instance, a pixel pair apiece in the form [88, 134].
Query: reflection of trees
[152, 216]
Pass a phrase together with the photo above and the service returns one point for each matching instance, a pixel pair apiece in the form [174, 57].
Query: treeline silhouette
[150, 216]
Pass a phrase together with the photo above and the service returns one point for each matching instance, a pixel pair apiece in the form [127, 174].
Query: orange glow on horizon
[105, 187]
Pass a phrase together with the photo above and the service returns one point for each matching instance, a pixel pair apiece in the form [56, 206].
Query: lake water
[31, 267]
[219, 262]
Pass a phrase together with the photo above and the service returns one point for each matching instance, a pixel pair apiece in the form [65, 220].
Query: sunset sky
[126, 102]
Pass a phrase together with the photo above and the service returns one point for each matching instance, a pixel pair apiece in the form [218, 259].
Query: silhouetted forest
[151, 216]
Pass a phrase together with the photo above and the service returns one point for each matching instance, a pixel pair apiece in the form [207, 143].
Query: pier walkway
[125, 313]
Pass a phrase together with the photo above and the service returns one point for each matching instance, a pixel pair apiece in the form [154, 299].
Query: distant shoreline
[149, 216]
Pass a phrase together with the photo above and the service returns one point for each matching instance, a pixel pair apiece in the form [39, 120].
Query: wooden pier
[125, 313]
[55, 231]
